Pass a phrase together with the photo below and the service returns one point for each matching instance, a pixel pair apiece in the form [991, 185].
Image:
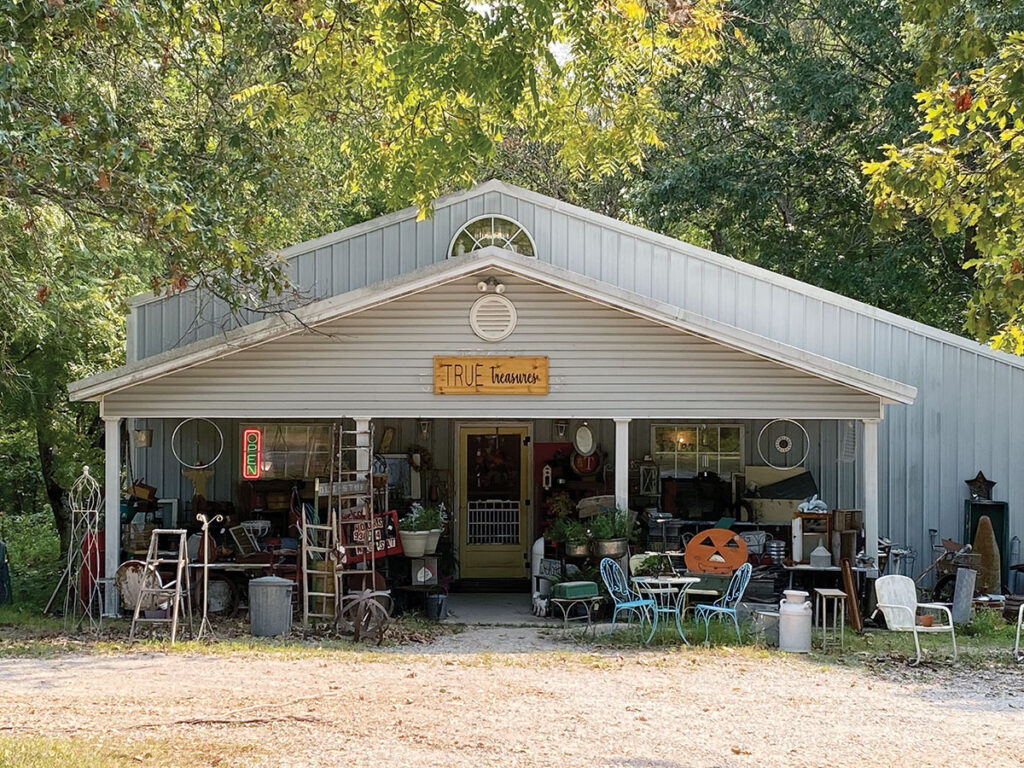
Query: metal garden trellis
[82, 575]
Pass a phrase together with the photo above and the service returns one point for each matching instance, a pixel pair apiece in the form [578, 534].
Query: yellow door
[493, 502]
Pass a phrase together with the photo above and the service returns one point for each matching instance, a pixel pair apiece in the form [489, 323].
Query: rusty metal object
[852, 604]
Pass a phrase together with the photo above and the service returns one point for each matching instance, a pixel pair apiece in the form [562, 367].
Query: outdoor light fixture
[490, 283]
[425, 428]
[143, 438]
[561, 426]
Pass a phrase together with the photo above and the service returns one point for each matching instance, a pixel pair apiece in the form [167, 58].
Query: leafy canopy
[963, 173]
[172, 143]
[762, 155]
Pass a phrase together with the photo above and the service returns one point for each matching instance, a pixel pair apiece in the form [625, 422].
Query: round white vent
[492, 317]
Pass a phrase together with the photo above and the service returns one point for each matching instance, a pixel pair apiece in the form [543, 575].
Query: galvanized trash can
[270, 606]
[437, 605]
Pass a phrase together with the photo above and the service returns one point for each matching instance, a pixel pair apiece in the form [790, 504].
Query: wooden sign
[490, 375]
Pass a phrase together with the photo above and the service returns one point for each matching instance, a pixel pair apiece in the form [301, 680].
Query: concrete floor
[494, 609]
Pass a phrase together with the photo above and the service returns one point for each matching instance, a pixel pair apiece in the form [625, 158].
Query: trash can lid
[270, 581]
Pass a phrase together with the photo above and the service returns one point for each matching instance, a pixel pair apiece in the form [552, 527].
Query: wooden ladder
[153, 593]
[318, 544]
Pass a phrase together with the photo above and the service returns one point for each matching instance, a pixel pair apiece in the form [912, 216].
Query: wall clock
[585, 466]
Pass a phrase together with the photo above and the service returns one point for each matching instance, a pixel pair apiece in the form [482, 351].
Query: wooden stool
[831, 634]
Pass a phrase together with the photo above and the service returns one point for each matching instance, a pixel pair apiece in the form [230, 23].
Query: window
[488, 230]
[683, 450]
[294, 451]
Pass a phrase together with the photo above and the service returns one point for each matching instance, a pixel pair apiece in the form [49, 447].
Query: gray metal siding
[603, 363]
[969, 414]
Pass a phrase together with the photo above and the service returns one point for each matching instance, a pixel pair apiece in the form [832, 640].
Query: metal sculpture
[784, 443]
[80, 581]
[204, 545]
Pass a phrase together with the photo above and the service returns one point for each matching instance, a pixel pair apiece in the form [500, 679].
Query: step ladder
[155, 595]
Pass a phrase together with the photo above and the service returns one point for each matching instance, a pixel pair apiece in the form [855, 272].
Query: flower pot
[433, 536]
[414, 543]
[613, 548]
[577, 550]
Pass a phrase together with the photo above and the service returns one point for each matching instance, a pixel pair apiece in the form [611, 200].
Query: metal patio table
[668, 594]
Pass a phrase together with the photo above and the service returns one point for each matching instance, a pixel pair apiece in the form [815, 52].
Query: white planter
[432, 539]
[414, 543]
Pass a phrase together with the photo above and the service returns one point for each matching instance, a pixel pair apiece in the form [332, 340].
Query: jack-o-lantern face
[716, 550]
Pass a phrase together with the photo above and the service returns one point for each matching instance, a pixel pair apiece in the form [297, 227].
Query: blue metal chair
[726, 605]
[626, 599]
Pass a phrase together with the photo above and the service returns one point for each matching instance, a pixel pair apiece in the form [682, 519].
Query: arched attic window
[489, 229]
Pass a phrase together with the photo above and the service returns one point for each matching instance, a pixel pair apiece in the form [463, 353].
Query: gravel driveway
[527, 701]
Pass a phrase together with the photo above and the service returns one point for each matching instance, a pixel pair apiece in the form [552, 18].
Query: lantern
[650, 476]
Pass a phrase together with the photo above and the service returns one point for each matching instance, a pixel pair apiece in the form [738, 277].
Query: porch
[437, 461]
[557, 384]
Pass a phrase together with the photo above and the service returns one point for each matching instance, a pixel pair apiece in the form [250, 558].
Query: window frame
[268, 427]
[492, 216]
[661, 457]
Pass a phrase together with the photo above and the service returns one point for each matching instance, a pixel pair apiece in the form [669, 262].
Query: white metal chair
[1017, 655]
[897, 599]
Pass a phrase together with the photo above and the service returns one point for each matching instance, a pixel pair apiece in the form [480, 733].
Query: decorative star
[980, 487]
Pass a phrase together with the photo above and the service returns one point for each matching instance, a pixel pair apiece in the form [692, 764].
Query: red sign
[385, 536]
[252, 454]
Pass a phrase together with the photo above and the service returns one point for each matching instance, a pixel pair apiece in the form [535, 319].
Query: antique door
[493, 501]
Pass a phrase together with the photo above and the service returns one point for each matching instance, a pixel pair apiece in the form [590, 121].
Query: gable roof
[673, 245]
[352, 302]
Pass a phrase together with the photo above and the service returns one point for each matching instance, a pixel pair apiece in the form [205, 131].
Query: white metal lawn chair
[1017, 655]
[897, 599]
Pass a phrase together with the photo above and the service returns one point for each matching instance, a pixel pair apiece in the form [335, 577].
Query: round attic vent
[492, 317]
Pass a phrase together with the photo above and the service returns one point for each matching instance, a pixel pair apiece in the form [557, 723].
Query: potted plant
[571, 533]
[432, 520]
[414, 537]
[611, 531]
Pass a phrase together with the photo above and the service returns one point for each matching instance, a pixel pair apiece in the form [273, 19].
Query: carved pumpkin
[716, 550]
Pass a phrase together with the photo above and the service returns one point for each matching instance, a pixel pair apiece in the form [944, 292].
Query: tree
[177, 143]
[762, 161]
[963, 173]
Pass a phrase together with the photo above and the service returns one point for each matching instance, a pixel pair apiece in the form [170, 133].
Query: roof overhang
[314, 314]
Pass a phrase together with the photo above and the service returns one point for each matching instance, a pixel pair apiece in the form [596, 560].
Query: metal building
[639, 334]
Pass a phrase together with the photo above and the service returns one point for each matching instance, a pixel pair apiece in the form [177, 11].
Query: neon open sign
[252, 454]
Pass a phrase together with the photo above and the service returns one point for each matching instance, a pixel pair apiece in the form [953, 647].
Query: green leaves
[762, 159]
[966, 175]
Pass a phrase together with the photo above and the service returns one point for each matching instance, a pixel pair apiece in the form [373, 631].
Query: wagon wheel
[944, 588]
[131, 577]
[365, 614]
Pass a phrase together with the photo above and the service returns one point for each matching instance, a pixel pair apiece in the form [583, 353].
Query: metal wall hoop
[784, 443]
[220, 449]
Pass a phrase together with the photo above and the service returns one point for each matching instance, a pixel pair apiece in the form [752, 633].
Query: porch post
[622, 463]
[869, 460]
[363, 461]
[112, 508]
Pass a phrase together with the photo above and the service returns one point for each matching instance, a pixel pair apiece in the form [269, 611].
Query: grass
[26, 633]
[986, 642]
[39, 752]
